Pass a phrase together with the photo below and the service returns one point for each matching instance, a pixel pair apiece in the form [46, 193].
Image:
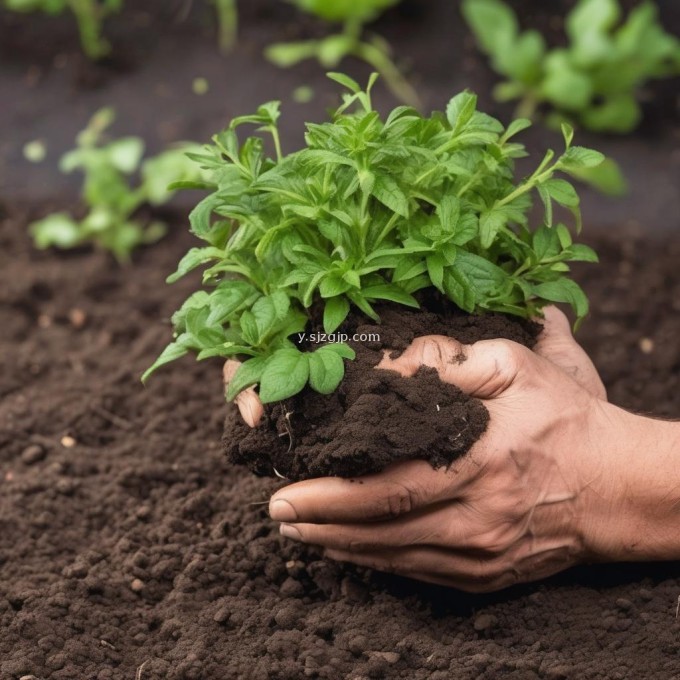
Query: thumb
[557, 344]
[484, 370]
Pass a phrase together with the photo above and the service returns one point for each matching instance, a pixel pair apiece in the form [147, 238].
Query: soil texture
[130, 548]
[375, 418]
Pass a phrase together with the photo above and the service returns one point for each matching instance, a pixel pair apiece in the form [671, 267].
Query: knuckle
[493, 542]
[507, 359]
[400, 500]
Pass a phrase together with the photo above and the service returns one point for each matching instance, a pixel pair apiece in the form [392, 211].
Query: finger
[248, 402]
[484, 370]
[438, 527]
[394, 492]
[557, 344]
[435, 565]
[464, 570]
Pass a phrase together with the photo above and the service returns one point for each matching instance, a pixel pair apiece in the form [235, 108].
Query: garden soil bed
[131, 550]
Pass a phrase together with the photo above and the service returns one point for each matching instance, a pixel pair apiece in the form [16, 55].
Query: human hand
[543, 489]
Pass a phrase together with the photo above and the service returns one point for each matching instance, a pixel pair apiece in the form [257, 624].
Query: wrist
[631, 508]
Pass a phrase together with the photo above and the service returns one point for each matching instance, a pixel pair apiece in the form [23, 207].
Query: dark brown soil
[376, 417]
[137, 551]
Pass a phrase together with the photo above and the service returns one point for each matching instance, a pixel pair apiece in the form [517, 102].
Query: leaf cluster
[332, 49]
[370, 210]
[89, 15]
[593, 81]
[111, 196]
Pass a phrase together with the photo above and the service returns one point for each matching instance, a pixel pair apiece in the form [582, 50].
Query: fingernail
[282, 511]
[289, 531]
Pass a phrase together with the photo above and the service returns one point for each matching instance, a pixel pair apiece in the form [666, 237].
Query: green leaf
[345, 81]
[59, 230]
[435, 269]
[341, 349]
[490, 223]
[494, 23]
[458, 289]
[194, 258]
[578, 157]
[582, 253]
[389, 292]
[285, 374]
[561, 191]
[606, 177]
[248, 374]
[335, 312]
[387, 191]
[249, 329]
[564, 290]
[326, 371]
[170, 353]
[461, 109]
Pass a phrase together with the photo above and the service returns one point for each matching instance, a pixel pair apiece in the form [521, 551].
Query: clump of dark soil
[376, 417]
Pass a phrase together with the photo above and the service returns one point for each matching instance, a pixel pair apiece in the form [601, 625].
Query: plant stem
[89, 26]
[277, 142]
[227, 17]
[527, 106]
[382, 63]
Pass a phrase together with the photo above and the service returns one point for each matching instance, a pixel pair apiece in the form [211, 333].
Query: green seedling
[109, 193]
[595, 81]
[331, 50]
[89, 14]
[371, 210]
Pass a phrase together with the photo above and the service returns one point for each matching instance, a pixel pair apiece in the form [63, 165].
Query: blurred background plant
[227, 23]
[89, 14]
[109, 193]
[594, 81]
[353, 15]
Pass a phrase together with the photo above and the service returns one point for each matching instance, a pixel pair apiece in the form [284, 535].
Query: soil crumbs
[131, 550]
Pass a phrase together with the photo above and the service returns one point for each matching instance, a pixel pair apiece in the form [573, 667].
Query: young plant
[371, 210]
[89, 14]
[227, 21]
[109, 195]
[331, 50]
[595, 80]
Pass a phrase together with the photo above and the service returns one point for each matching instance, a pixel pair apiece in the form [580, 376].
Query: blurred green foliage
[111, 196]
[595, 80]
[88, 13]
[331, 50]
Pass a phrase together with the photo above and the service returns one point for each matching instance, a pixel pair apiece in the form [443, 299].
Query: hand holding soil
[560, 477]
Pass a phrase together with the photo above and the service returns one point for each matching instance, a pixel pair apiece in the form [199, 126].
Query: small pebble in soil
[295, 568]
[388, 657]
[143, 512]
[44, 321]
[77, 317]
[33, 454]
[137, 585]
[66, 487]
[646, 345]
[68, 442]
[484, 622]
